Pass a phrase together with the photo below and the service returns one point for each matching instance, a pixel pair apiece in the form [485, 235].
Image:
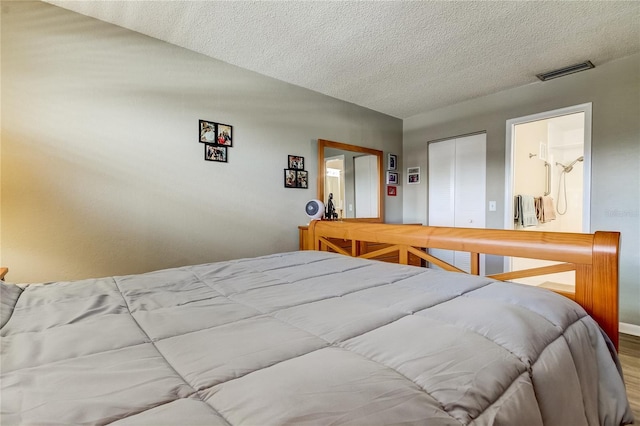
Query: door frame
[586, 108]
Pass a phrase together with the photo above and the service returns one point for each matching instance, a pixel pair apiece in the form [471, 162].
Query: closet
[457, 189]
[366, 185]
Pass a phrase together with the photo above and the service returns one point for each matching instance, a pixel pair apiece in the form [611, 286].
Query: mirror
[353, 174]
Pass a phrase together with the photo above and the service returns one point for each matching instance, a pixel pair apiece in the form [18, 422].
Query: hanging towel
[528, 211]
[548, 208]
[517, 209]
[537, 202]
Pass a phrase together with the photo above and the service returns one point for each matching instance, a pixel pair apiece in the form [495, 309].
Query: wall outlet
[492, 206]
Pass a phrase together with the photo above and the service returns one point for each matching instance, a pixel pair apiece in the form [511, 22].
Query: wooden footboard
[593, 257]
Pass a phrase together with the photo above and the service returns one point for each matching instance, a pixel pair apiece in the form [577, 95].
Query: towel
[537, 202]
[528, 211]
[517, 209]
[548, 208]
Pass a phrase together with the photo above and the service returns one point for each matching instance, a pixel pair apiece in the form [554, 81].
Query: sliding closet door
[366, 186]
[457, 189]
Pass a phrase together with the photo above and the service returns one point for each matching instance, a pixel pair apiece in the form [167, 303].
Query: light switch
[492, 206]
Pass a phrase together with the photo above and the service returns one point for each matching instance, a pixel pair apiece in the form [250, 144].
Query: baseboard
[629, 329]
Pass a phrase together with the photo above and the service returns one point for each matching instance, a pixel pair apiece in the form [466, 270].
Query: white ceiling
[401, 58]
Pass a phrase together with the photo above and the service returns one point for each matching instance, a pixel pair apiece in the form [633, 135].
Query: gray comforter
[303, 338]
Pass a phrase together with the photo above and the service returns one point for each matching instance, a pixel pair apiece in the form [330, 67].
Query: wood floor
[629, 351]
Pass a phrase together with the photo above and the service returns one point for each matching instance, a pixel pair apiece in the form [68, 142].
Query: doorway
[334, 182]
[548, 166]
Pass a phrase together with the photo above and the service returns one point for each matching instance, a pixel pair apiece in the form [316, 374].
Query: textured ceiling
[401, 58]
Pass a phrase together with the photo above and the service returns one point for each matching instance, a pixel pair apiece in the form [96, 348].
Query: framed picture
[392, 178]
[392, 191]
[413, 175]
[296, 178]
[290, 179]
[223, 135]
[392, 162]
[207, 132]
[302, 179]
[296, 162]
[215, 153]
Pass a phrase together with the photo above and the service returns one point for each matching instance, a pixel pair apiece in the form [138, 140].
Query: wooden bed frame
[593, 257]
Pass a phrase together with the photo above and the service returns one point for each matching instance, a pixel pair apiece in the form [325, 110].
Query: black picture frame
[302, 179]
[296, 162]
[290, 178]
[296, 178]
[207, 131]
[224, 134]
[213, 152]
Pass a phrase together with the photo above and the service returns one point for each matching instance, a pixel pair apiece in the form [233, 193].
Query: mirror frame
[322, 144]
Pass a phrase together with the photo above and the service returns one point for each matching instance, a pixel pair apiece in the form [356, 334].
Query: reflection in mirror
[353, 174]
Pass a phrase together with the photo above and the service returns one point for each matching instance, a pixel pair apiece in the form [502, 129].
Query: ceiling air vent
[583, 66]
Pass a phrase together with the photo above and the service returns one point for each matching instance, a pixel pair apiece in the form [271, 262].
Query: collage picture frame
[217, 138]
[294, 175]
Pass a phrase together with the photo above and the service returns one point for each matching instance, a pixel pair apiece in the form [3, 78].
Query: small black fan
[314, 209]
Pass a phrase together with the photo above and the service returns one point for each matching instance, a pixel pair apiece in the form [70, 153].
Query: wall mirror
[353, 174]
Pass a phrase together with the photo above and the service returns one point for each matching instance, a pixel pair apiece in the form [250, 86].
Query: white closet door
[442, 173]
[457, 189]
[366, 186]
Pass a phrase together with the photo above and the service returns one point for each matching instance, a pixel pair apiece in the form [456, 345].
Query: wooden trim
[353, 148]
[552, 269]
[594, 257]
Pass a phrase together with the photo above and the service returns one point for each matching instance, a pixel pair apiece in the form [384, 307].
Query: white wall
[614, 90]
[102, 172]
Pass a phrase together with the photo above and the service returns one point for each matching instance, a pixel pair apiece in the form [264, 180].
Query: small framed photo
[392, 191]
[302, 179]
[207, 132]
[296, 162]
[223, 135]
[392, 162]
[215, 153]
[413, 175]
[392, 178]
[290, 178]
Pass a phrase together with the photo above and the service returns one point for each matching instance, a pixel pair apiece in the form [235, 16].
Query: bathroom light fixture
[561, 72]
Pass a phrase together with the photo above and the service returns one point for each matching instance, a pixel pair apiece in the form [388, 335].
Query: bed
[323, 336]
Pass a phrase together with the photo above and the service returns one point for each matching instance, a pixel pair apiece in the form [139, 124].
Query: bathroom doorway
[548, 181]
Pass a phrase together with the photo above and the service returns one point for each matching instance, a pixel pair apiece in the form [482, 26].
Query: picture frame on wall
[302, 179]
[392, 178]
[296, 162]
[207, 132]
[392, 162]
[215, 153]
[224, 135]
[296, 178]
[392, 191]
[413, 175]
[290, 178]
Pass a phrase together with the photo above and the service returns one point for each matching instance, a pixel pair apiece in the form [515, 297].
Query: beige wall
[102, 172]
[614, 90]
[530, 175]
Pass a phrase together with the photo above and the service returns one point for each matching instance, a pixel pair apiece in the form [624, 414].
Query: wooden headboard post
[599, 294]
[594, 257]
